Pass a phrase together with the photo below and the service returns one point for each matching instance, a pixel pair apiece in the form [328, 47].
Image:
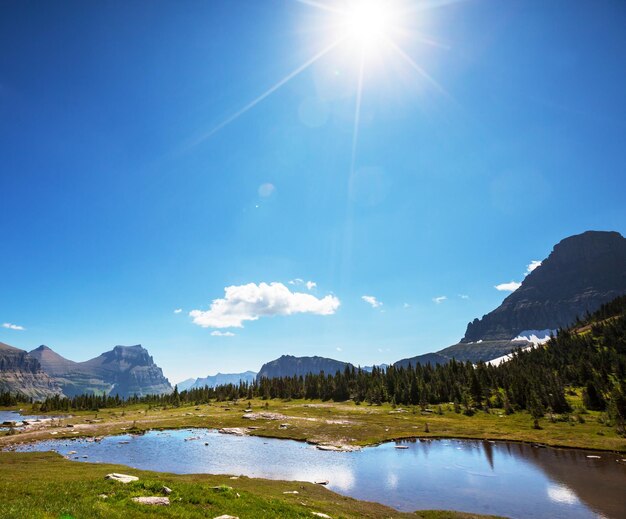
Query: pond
[510, 479]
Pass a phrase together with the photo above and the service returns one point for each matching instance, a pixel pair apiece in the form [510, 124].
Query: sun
[367, 23]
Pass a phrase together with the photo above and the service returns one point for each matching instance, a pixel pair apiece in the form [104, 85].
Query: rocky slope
[288, 366]
[19, 372]
[581, 273]
[125, 370]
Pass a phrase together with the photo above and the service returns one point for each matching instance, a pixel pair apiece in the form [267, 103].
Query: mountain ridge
[124, 370]
[581, 273]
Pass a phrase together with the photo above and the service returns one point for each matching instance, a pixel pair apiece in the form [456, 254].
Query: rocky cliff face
[289, 366]
[125, 370]
[581, 273]
[21, 373]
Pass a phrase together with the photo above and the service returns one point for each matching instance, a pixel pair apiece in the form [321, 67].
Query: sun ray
[428, 5]
[268, 92]
[418, 69]
[319, 5]
[357, 116]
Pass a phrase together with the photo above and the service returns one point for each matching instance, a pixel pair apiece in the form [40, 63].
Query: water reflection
[513, 480]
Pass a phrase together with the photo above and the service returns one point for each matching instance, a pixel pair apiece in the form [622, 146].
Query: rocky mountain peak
[581, 273]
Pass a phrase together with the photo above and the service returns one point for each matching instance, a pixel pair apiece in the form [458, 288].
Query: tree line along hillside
[590, 355]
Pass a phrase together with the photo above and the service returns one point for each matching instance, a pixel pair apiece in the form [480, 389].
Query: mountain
[221, 379]
[369, 369]
[289, 366]
[581, 273]
[21, 373]
[186, 384]
[125, 370]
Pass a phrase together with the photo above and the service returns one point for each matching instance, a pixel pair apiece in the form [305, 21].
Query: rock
[321, 482]
[122, 478]
[237, 431]
[320, 514]
[158, 501]
[226, 517]
[284, 425]
[103, 496]
[264, 416]
[291, 492]
[166, 490]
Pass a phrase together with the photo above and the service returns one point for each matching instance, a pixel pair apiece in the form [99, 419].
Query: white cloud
[372, 301]
[12, 326]
[217, 333]
[508, 287]
[249, 302]
[310, 285]
[463, 296]
[514, 285]
[406, 305]
[532, 266]
[439, 299]
[178, 310]
[266, 190]
[339, 349]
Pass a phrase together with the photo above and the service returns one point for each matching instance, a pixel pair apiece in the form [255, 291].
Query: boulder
[158, 501]
[122, 478]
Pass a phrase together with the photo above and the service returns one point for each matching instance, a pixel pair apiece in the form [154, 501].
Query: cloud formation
[12, 326]
[217, 333]
[464, 296]
[512, 286]
[439, 299]
[310, 285]
[178, 310]
[250, 302]
[532, 266]
[371, 300]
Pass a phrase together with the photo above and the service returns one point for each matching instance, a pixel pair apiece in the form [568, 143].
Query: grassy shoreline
[45, 485]
[45, 477]
[332, 423]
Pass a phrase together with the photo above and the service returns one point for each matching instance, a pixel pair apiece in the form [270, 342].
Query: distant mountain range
[220, 379]
[580, 274]
[289, 366]
[125, 370]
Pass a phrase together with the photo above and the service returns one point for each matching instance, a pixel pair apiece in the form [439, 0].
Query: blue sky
[121, 204]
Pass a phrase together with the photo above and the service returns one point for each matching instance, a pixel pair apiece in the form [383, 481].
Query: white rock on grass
[122, 478]
[226, 517]
[320, 514]
[158, 501]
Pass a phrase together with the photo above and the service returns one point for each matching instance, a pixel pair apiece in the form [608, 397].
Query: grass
[344, 423]
[45, 485]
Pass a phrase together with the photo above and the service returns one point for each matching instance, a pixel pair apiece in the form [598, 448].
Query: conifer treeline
[591, 355]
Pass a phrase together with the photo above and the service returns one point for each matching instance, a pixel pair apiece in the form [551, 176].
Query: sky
[225, 182]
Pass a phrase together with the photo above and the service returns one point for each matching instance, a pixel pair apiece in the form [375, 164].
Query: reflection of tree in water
[488, 449]
[569, 468]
